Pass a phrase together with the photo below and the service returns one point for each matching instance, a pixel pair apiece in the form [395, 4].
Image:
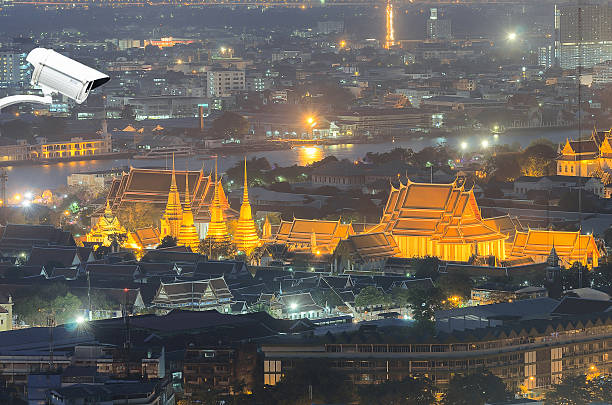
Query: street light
[293, 305]
[512, 36]
[484, 144]
[464, 145]
[80, 320]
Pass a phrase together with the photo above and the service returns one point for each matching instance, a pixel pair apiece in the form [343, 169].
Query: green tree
[573, 390]
[230, 125]
[138, 216]
[475, 389]
[455, 284]
[369, 296]
[34, 305]
[167, 242]
[426, 267]
[217, 250]
[409, 391]
[423, 303]
[538, 159]
[308, 377]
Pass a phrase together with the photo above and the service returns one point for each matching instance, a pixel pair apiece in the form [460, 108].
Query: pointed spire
[173, 215]
[188, 234]
[246, 237]
[217, 228]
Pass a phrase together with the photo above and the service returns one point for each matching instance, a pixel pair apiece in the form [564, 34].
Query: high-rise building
[14, 69]
[583, 34]
[223, 82]
[546, 56]
[437, 28]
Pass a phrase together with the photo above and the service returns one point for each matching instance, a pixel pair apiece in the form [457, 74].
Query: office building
[583, 34]
[438, 28]
[224, 82]
[14, 69]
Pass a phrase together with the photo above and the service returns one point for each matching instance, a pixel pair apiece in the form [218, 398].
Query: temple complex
[441, 220]
[107, 225]
[188, 234]
[570, 247]
[245, 236]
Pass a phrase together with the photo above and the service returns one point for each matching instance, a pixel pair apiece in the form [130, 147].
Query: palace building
[441, 220]
[590, 157]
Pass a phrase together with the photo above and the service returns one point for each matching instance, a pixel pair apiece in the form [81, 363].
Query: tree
[127, 112]
[369, 296]
[217, 250]
[316, 378]
[167, 242]
[229, 125]
[138, 216]
[538, 159]
[455, 284]
[426, 267]
[409, 391]
[573, 390]
[34, 305]
[475, 389]
[423, 303]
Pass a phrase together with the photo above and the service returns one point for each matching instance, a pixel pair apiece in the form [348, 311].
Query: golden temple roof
[299, 233]
[444, 212]
[188, 234]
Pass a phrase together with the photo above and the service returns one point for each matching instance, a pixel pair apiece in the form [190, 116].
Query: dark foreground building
[530, 354]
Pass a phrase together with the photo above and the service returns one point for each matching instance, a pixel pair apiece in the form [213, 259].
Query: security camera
[54, 72]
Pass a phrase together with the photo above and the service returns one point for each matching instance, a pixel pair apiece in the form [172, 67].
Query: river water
[25, 178]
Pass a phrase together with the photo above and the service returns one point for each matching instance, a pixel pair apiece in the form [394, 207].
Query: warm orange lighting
[17, 197]
[531, 378]
[390, 38]
[66, 212]
[310, 120]
[342, 44]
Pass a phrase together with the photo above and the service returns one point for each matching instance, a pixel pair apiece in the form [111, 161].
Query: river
[32, 178]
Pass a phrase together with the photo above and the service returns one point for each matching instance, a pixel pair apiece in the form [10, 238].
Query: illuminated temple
[217, 227]
[440, 220]
[245, 236]
[571, 247]
[103, 230]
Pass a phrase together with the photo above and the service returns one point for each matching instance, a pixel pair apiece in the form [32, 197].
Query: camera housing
[54, 72]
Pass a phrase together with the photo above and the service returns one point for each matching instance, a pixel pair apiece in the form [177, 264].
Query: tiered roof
[447, 213]
[598, 144]
[569, 246]
[300, 234]
[173, 214]
[201, 293]
[217, 227]
[372, 246]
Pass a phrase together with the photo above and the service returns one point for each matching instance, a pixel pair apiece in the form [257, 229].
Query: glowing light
[28, 195]
[512, 36]
[464, 145]
[223, 49]
[26, 203]
[485, 143]
[17, 197]
[390, 38]
[80, 319]
[179, 62]
[66, 212]
[293, 305]
[310, 120]
[342, 44]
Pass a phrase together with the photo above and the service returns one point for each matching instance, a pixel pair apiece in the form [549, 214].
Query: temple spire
[188, 234]
[173, 215]
[245, 237]
[217, 228]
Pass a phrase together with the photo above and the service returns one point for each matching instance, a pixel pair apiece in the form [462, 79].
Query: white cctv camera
[54, 72]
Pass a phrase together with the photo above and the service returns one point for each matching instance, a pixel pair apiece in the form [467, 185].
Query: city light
[512, 36]
[293, 305]
[484, 143]
[80, 320]
[17, 197]
[464, 145]
[342, 44]
[310, 120]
